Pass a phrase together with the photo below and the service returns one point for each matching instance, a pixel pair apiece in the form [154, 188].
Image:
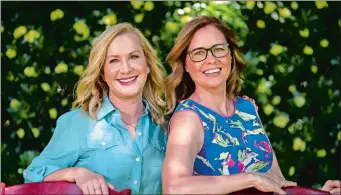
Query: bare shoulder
[185, 119]
[185, 128]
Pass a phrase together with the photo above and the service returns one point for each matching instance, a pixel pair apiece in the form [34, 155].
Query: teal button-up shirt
[105, 147]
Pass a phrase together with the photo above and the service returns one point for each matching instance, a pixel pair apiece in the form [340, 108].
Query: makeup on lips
[127, 80]
[212, 72]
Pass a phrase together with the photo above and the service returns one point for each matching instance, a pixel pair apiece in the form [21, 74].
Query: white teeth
[127, 80]
[212, 71]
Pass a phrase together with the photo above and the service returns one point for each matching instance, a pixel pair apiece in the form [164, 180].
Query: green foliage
[292, 48]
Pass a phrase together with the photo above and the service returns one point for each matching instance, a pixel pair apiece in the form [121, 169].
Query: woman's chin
[129, 93]
[214, 84]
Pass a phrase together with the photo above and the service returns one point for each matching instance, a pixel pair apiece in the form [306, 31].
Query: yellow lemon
[30, 71]
[291, 171]
[80, 26]
[110, 19]
[15, 104]
[284, 12]
[269, 7]
[321, 153]
[292, 88]
[64, 102]
[187, 9]
[45, 86]
[78, 70]
[324, 43]
[11, 53]
[47, 70]
[56, 14]
[185, 19]
[35, 132]
[299, 144]
[268, 109]
[19, 31]
[259, 72]
[314, 69]
[53, 113]
[308, 50]
[260, 24]
[171, 26]
[294, 5]
[139, 17]
[281, 120]
[31, 36]
[61, 49]
[148, 6]
[321, 4]
[304, 33]
[61, 68]
[299, 101]
[250, 4]
[21, 133]
[276, 100]
[262, 58]
[276, 49]
[136, 4]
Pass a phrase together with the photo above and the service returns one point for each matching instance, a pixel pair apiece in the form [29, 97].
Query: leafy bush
[293, 50]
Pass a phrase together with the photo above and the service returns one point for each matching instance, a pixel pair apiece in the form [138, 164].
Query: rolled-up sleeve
[61, 152]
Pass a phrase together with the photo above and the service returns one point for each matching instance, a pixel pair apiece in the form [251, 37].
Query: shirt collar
[107, 107]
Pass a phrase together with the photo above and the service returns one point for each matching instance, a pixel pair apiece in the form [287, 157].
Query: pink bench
[51, 187]
[62, 187]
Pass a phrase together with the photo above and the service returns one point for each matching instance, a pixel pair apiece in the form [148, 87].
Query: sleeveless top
[232, 144]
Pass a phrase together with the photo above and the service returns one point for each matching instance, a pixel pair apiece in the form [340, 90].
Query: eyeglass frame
[209, 50]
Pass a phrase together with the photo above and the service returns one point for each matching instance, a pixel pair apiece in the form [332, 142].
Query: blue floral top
[232, 144]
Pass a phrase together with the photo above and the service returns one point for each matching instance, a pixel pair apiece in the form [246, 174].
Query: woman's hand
[280, 179]
[332, 186]
[91, 182]
[269, 183]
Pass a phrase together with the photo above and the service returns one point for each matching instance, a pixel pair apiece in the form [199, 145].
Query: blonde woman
[114, 137]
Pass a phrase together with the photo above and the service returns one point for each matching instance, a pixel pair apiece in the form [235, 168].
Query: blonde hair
[179, 83]
[91, 88]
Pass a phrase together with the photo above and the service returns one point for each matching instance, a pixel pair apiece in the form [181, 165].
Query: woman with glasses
[216, 142]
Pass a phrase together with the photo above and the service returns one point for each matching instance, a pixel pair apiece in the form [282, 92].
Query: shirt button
[137, 159]
[103, 143]
[139, 133]
[135, 182]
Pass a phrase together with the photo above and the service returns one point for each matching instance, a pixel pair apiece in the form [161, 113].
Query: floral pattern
[232, 144]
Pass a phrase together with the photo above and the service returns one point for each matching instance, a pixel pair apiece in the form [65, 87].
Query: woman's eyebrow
[116, 56]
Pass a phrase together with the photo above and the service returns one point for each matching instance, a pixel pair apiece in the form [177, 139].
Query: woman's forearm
[66, 174]
[208, 184]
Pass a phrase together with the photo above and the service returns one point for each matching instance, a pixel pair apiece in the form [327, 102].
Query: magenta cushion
[53, 187]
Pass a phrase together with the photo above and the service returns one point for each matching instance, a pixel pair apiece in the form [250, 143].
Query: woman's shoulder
[185, 116]
[185, 104]
[74, 114]
[75, 119]
[245, 102]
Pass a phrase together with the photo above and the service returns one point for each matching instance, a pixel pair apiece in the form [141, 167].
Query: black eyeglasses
[218, 51]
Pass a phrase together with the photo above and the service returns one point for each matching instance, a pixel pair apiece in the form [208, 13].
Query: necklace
[130, 125]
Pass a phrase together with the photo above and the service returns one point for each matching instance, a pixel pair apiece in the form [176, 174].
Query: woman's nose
[210, 57]
[126, 68]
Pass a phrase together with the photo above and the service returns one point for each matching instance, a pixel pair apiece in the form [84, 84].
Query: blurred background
[293, 50]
